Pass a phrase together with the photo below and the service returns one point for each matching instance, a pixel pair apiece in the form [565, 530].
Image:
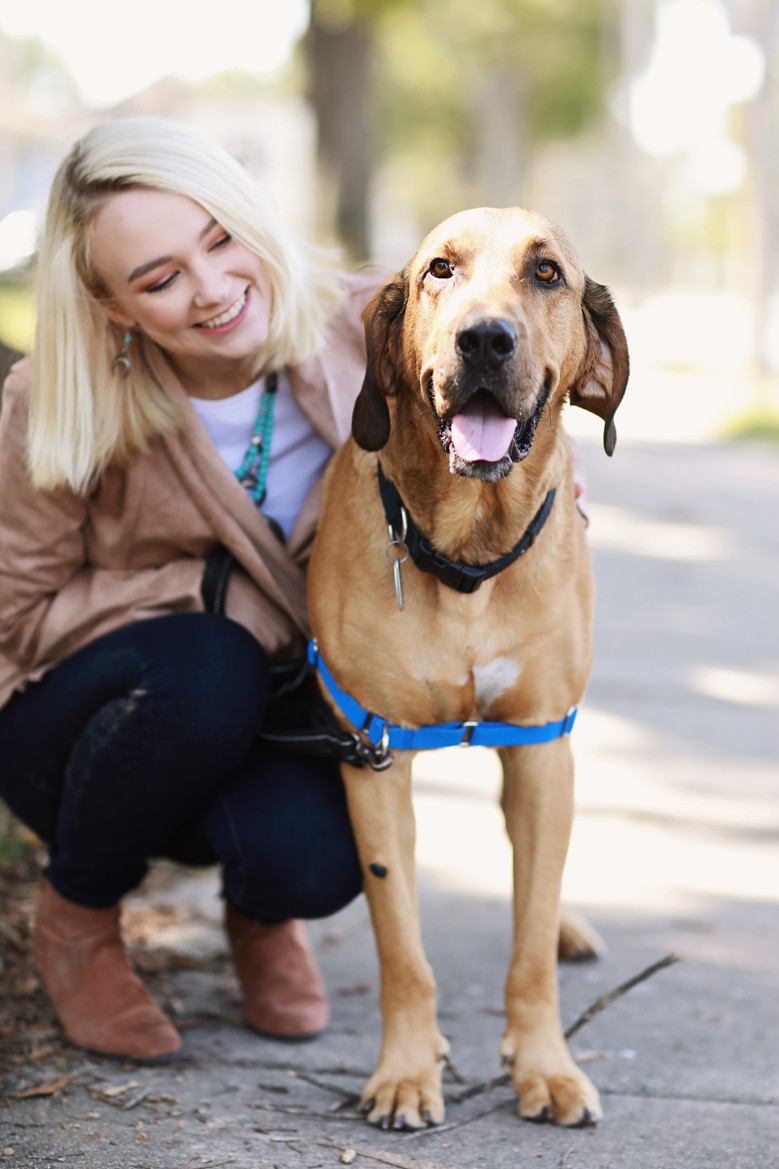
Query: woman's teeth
[228, 315]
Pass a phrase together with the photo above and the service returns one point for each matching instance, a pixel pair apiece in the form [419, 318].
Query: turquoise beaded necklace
[253, 471]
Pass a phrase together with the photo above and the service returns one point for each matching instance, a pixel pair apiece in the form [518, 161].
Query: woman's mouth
[229, 318]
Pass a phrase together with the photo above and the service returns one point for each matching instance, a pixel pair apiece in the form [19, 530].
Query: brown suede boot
[100, 1002]
[283, 992]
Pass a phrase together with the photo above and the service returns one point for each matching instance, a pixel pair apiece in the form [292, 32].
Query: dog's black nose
[486, 344]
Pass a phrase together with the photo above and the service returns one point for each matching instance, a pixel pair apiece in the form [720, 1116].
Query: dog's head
[492, 322]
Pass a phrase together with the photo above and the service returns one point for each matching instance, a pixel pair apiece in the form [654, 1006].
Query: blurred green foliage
[16, 314]
[462, 90]
[758, 423]
[437, 56]
[17, 843]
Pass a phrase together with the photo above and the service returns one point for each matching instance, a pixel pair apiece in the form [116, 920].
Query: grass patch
[17, 315]
[17, 843]
[759, 422]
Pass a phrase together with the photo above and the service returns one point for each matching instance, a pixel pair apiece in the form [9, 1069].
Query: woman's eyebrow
[150, 265]
[142, 269]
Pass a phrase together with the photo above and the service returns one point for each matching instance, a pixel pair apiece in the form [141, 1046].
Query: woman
[194, 368]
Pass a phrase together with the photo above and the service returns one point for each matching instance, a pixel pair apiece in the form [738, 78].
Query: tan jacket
[74, 567]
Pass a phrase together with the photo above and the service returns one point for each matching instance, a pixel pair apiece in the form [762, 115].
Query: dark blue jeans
[144, 744]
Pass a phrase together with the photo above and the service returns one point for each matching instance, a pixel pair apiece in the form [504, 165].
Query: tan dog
[473, 350]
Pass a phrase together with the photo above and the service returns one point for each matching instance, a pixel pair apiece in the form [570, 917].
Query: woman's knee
[203, 689]
[182, 695]
[210, 663]
[283, 835]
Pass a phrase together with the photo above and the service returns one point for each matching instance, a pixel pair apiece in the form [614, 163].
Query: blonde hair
[82, 417]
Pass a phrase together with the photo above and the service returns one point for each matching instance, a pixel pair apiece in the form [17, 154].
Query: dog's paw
[550, 1088]
[404, 1105]
[578, 940]
[568, 1100]
[404, 1099]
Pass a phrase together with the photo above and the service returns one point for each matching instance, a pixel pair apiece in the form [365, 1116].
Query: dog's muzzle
[480, 432]
[481, 440]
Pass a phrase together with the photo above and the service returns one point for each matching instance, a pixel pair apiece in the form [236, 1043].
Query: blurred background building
[648, 128]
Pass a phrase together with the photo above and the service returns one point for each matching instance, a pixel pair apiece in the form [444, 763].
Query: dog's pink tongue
[482, 431]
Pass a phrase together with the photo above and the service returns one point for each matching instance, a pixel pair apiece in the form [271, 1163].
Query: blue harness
[382, 736]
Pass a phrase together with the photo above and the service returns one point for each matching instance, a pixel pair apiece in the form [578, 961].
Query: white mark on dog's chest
[492, 680]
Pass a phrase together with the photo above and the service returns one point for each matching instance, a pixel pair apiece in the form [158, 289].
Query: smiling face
[173, 272]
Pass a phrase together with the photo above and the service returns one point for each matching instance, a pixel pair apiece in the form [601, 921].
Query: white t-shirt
[298, 453]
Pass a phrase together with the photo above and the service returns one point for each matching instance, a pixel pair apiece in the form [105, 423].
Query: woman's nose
[210, 284]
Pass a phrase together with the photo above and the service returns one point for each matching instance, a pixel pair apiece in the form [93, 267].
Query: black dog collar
[465, 578]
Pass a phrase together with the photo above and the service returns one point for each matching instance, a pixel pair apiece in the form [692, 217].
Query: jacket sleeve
[51, 601]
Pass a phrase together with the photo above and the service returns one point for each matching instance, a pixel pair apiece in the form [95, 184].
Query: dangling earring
[123, 362]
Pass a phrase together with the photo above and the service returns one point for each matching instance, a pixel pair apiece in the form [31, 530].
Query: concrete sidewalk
[674, 849]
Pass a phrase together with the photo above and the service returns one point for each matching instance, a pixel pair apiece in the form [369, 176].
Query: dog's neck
[459, 575]
[466, 518]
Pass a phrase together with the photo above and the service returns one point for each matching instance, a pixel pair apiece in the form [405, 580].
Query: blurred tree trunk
[762, 128]
[339, 47]
[499, 136]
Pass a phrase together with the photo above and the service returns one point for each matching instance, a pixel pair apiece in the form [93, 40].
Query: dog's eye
[547, 273]
[440, 268]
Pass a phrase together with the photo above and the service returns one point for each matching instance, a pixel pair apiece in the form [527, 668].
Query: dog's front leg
[405, 1089]
[538, 806]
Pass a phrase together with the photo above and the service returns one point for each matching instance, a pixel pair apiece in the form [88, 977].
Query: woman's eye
[221, 242]
[547, 273]
[440, 268]
[163, 284]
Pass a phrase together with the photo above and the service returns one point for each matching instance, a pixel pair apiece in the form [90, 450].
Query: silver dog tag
[398, 582]
[397, 554]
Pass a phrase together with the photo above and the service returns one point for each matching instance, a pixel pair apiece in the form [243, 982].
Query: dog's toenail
[378, 870]
[542, 1117]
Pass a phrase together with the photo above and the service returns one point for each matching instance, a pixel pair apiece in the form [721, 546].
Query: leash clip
[378, 757]
[397, 554]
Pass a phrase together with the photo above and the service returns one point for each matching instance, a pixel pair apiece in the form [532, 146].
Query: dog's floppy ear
[603, 377]
[383, 319]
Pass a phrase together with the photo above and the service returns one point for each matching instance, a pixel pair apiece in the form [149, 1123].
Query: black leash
[297, 718]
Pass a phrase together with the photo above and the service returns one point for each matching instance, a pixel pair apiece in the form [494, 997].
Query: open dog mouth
[482, 441]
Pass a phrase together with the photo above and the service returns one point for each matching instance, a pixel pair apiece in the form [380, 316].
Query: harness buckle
[468, 728]
[378, 758]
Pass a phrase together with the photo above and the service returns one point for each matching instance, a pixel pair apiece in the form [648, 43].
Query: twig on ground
[136, 1100]
[585, 1017]
[208, 1165]
[47, 1089]
[607, 999]
[485, 1086]
[437, 1129]
[346, 1097]
[375, 1155]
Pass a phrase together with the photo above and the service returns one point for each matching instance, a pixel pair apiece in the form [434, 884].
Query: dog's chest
[494, 678]
[465, 660]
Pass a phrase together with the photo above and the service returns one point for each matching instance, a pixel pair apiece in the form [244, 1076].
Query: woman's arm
[51, 600]
[41, 538]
